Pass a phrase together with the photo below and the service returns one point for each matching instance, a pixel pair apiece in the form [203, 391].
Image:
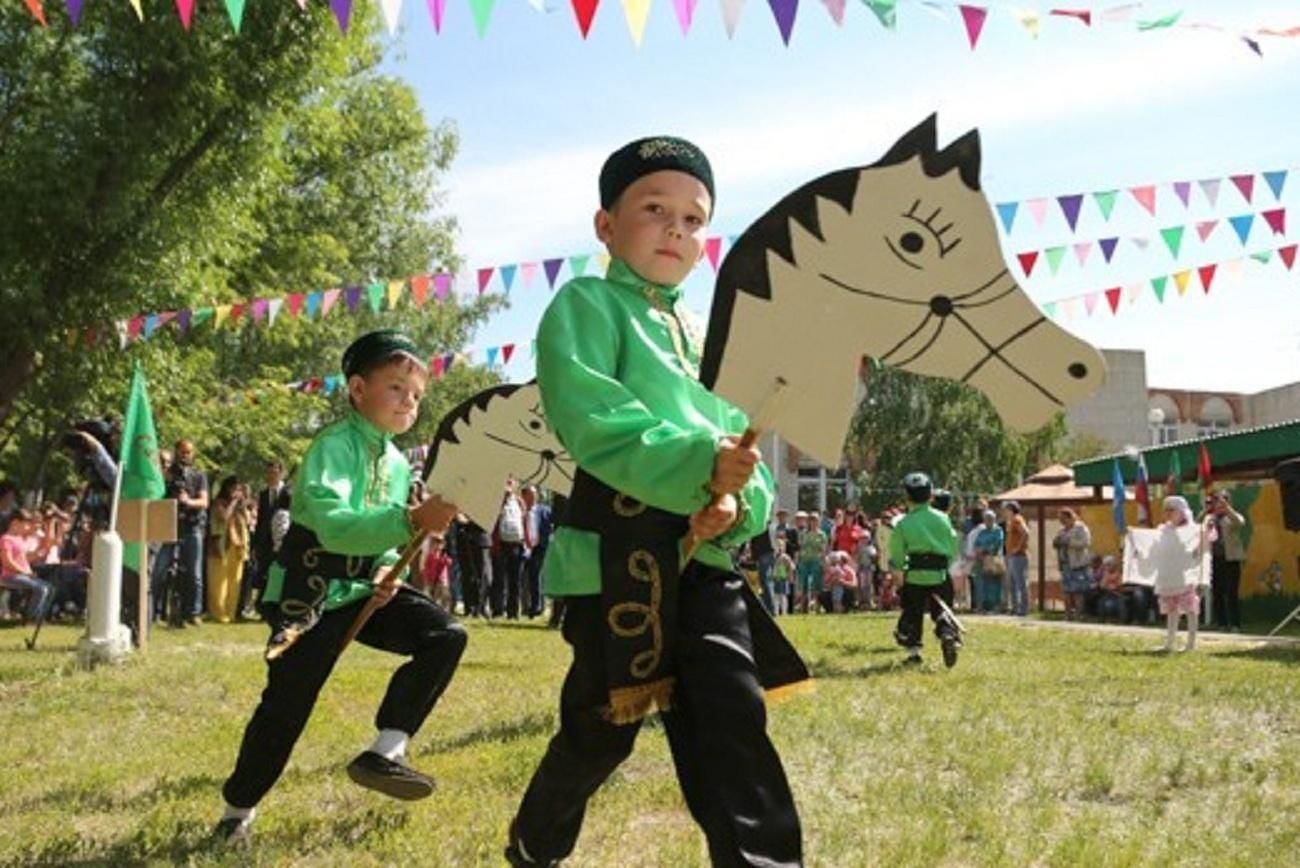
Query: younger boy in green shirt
[617, 365]
[349, 518]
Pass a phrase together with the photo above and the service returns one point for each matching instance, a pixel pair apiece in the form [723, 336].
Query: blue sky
[1077, 110]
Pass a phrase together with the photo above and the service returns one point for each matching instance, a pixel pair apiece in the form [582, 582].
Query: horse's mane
[744, 269]
[446, 432]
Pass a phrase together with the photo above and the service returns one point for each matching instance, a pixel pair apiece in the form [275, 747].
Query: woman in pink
[435, 573]
[16, 572]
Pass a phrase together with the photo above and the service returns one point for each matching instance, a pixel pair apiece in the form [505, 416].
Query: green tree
[145, 169]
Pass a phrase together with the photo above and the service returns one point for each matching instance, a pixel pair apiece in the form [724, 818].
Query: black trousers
[507, 569]
[410, 625]
[728, 769]
[533, 602]
[916, 600]
[1225, 588]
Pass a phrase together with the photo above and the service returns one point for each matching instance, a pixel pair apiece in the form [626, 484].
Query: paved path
[1212, 637]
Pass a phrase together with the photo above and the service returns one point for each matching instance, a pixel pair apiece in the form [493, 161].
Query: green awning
[1247, 452]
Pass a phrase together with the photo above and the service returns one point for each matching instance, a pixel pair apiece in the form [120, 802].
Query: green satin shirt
[924, 530]
[351, 491]
[618, 368]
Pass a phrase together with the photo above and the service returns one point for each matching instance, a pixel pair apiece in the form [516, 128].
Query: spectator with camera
[188, 486]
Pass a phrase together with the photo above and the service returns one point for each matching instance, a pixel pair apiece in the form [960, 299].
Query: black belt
[927, 561]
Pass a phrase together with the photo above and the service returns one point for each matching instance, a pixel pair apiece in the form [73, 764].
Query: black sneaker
[912, 660]
[390, 777]
[950, 646]
[517, 857]
[233, 831]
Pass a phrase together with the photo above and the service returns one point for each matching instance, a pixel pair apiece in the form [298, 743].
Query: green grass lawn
[1044, 746]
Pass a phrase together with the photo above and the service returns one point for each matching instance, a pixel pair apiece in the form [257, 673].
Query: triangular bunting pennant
[1038, 210]
[1090, 302]
[529, 272]
[441, 285]
[393, 293]
[784, 11]
[1287, 255]
[508, 276]
[420, 289]
[183, 320]
[74, 11]
[352, 297]
[222, 313]
[1206, 228]
[184, 10]
[1180, 280]
[1105, 200]
[636, 12]
[584, 11]
[1112, 298]
[1158, 285]
[578, 265]
[1028, 19]
[1206, 273]
[1027, 261]
[1245, 185]
[1050, 309]
[973, 17]
[1276, 219]
[447, 361]
[1263, 257]
[314, 300]
[375, 295]
[200, 316]
[552, 269]
[1146, 197]
[1083, 15]
[1253, 45]
[484, 278]
[836, 10]
[1183, 190]
[435, 367]
[1133, 291]
[685, 11]
[1234, 266]
[1108, 247]
[1141, 242]
[1160, 23]
[236, 311]
[259, 310]
[492, 357]
[507, 350]
[436, 10]
[1081, 251]
[1241, 225]
[1276, 181]
[1173, 237]
[602, 261]
[1070, 208]
[342, 10]
[234, 8]
[1210, 187]
[482, 10]
[1054, 256]
[886, 12]
[1007, 213]
[392, 10]
[730, 15]
[150, 323]
[328, 299]
[713, 250]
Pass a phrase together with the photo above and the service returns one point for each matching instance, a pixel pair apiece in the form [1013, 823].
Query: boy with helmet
[921, 547]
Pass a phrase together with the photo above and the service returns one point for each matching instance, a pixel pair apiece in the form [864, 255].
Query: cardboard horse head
[498, 433]
[898, 260]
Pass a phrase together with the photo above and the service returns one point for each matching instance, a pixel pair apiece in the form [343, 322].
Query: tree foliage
[146, 169]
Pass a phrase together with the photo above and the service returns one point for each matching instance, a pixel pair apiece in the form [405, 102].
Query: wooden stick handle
[409, 554]
[692, 543]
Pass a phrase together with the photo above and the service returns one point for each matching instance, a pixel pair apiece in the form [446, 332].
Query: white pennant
[273, 310]
[392, 9]
[731, 15]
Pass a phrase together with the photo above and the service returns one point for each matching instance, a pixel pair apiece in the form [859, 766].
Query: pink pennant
[1112, 298]
[328, 299]
[507, 350]
[1183, 190]
[435, 366]
[685, 10]
[1245, 184]
[1206, 228]
[1084, 15]
[1081, 251]
[441, 285]
[185, 9]
[1027, 261]
[1134, 291]
[529, 271]
[1038, 208]
[973, 17]
[436, 9]
[1146, 197]
[1207, 275]
[133, 327]
[1276, 219]
[713, 249]
[1288, 255]
[259, 309]
[484, 278]
[1090, 302]
[836, 9]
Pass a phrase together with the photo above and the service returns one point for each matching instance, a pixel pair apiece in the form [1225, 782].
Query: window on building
[1216, 417]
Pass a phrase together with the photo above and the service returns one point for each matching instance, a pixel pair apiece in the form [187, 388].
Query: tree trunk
[16, 364]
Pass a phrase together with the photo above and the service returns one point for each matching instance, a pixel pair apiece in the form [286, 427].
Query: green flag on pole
[1174, 482]
[139, 476]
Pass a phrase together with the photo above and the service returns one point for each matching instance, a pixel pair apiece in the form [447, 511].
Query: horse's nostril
[941, 305]
[548, 454]
[1078, 370]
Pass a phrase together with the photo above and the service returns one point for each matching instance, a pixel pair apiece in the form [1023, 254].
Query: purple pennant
[552, 267]
[342, 11]
[1183, 189]
[352, 296]
[183, 321]
[447, 362]
[74, 11]
[1108, 247]
[1070, 208]
[784, 12]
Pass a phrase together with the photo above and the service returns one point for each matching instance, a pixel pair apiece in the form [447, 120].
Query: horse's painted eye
[535, 425]
[912, 242]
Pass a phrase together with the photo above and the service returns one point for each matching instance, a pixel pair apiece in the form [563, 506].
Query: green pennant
[1158, 284]
[1264, 256]
[201, 315]
[375, 295]
[1160, 23]
[1173, 239]
[235, 8]
[482, 10]
[1105, 202]
[1054, 256]
[579, 265]
[886, 11]
[1050, 309]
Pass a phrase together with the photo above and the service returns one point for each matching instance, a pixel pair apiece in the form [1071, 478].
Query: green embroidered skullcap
[655, 154]
[374, 348]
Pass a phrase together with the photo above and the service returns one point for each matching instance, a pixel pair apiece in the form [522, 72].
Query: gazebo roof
[1052, 485]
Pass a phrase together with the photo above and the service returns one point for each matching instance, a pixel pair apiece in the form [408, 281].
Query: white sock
[238, 813]
[1171, 620]
[1191, 632]
[390, 743]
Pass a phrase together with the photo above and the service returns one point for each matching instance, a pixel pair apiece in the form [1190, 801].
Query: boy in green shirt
[921, 548]
[618, 367]
[349, 517]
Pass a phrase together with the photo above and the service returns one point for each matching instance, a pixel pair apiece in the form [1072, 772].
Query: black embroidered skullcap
[374, 348]
[654, 154]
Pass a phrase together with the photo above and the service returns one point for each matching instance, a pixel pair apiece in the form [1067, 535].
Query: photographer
[189, 487]
[92, 444]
